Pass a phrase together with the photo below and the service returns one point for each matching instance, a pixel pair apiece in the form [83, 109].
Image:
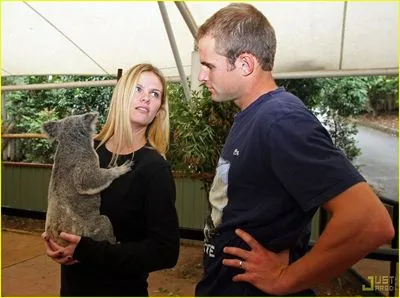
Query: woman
[139, 204]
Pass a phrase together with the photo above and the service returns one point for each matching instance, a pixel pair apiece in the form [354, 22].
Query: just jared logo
[381, 283]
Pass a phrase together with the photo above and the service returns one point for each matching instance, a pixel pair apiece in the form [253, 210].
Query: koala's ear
[90, 118]
[51, 128]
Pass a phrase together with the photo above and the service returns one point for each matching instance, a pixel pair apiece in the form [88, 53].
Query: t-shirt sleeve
[303, 157]
[158, 250]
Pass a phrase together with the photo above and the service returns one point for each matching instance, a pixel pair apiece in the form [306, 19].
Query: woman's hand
[60, 254]
[262, 268]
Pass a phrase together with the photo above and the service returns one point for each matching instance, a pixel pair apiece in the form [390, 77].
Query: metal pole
[66, 85]
[119, 74]
[187, 16]
[174, 48]
[175, 79]
[69, 85]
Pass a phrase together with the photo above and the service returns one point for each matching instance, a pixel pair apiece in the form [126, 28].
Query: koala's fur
[77, 180]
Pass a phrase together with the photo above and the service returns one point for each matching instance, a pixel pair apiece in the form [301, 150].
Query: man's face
[218, 75]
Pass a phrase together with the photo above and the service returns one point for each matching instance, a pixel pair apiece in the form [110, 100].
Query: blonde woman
[139, 204]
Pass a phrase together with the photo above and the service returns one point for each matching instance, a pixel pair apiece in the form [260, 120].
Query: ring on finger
[241, 264]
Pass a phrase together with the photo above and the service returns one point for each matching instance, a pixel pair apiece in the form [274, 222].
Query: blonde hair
[118, 123]
[241, 28]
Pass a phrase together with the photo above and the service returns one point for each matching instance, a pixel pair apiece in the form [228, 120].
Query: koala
[77, 180]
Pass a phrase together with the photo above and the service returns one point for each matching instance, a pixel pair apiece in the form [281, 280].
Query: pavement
[27, 271]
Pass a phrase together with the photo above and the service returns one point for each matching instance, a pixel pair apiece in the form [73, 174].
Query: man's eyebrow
[209, 65]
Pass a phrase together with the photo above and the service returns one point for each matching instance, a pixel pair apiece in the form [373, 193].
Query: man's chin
[219, 99]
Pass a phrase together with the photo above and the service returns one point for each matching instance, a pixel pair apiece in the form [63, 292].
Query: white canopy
[100, 37]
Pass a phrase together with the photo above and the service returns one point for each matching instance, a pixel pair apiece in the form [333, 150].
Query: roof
[98, 38]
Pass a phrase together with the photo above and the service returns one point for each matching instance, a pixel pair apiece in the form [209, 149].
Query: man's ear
[246, 63]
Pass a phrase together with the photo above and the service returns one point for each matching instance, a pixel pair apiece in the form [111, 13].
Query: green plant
[308, 90]
[36, 150]
[383, 94]
[27, 110]
[198, 131]
[340, 99]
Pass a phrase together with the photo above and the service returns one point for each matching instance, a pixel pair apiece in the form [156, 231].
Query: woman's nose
[145, 97]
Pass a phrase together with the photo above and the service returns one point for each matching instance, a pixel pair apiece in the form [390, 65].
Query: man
[277, 167]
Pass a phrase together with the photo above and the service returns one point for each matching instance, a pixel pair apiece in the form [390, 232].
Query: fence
[24, 190]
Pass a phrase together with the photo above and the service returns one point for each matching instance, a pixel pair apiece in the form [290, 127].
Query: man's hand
[262, 268]
[60, 254]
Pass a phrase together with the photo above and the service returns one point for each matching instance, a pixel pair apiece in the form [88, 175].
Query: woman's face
[146, 100]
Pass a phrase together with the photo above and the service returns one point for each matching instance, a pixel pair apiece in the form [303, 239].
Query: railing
[382, 254]
[191, 231]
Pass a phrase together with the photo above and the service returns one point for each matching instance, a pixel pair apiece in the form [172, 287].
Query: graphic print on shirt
[218, 198]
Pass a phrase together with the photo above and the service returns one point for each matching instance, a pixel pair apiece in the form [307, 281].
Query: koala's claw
[128, 163]
[126, 166]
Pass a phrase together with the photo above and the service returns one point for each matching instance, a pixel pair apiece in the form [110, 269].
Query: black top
[278, 165]
[141, 207]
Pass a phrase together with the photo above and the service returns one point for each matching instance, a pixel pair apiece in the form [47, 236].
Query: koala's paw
[126, 167]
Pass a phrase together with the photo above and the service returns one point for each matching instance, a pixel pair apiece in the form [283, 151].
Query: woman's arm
[159, 250]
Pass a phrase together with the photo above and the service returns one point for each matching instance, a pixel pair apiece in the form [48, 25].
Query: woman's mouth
[143, 109]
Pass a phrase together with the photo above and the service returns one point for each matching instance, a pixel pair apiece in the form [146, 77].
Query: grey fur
[77, 180]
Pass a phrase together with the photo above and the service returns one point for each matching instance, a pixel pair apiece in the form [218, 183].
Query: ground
[178, 281]
[388, 123]
[181, 280]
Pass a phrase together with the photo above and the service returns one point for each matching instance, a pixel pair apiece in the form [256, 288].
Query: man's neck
[259, 85]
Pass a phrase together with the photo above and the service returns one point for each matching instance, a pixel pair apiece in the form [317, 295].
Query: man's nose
[203, 75]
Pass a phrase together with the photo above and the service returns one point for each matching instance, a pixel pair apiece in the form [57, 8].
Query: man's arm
[359, 224]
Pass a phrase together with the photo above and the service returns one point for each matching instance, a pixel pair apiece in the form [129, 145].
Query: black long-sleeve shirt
[141, 208]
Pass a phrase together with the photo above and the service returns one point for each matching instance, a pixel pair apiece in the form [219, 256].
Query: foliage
[29, 109]
[199, 128]
[346, 95]
[63, 101]
[383, 94]
[308, 90]
[339, 99]
[342, 133]
[36, 150]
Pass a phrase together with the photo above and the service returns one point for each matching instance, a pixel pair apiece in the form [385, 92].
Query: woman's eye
[138, 89]
[155, 94]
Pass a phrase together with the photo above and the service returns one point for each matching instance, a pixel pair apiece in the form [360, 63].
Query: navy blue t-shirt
[277, 167]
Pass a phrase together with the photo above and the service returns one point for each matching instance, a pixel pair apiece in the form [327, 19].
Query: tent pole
[191, 23]
[187, 16]
[174, 48]
[119, 74]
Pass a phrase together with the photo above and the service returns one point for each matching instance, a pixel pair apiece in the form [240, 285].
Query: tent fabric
[97, 38]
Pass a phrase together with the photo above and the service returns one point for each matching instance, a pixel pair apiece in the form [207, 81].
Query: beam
[175, 79]
[187, 16]
[174, 48]
[69, 85]
[336, 73]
